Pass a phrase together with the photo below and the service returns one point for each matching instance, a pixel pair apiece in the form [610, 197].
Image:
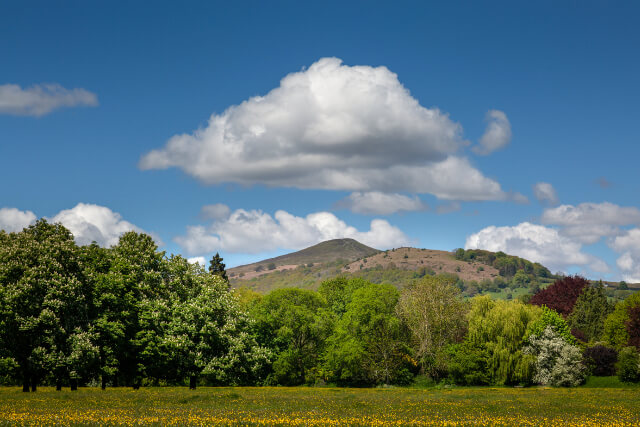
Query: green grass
[322, 406]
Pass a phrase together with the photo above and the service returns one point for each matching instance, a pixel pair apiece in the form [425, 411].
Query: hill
[474, 271]
[326, 253]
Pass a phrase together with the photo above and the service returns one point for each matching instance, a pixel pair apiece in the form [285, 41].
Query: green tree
[501, 328]
[43, 307]
[615, 326]
[590, 311]
[288, 322]
[217, 267]
[435, 313]
[133, 283]
[369, 343]
[208, 335]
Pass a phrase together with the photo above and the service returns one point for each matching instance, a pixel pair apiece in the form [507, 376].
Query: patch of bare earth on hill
[432, 260]
[247, 274]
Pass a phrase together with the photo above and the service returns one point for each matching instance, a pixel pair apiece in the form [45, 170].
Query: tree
[207, 335]
[621, 326]
[435, 313]
[589, 312]
[562, 295]
[217, 267]
[501, 328]
[288, 323]
[368, 345]
[133, 283]
[43, 303]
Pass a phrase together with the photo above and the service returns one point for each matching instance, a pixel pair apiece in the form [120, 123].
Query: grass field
[322, 406]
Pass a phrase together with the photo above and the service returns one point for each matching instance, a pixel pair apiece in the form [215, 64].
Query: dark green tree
[589, 313]
[217, 267]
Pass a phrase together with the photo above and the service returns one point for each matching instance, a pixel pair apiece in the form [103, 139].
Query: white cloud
[545, 193]
[216, 211]
[497, 134]
[90, 223]
[39, 100]
[377, 203]
[197, 260]
[628, 243]
[335, 127]
[255, 231]
[536, 243]
[589, 222]
[12, 219]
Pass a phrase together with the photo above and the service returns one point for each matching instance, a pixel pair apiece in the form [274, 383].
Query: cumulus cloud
[628, 243]
[12, 219]
[536, 243]
[39, 100]
[545, 193]
[255, 231]
[197, 260]
[216, 211]
[497, 134]
[589, 222]
[90, 223]
[377, 203]
[335, 127]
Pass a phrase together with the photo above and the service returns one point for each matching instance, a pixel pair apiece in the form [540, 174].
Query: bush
[469, 364]
[558, 363]
[601, 360]
[629, 365]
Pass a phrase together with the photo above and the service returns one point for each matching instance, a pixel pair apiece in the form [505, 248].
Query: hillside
[474, 271]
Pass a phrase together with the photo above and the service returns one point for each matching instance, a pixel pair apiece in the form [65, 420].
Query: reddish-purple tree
[561, 296]
[633, 327]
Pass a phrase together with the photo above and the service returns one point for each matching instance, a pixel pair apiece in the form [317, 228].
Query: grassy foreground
[322, 406]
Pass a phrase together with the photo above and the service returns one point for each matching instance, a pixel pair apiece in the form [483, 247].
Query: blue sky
[452, 111]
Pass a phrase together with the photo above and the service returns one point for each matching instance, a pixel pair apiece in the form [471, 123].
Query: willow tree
[501, 328]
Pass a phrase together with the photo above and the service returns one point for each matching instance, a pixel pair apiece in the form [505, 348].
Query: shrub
[601, 360]
[629, 365]
[469, 364]
[558, 363]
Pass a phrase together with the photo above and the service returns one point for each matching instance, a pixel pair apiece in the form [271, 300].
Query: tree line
[131, 316]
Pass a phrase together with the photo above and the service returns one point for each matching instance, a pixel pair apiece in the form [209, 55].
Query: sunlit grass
[322, 406]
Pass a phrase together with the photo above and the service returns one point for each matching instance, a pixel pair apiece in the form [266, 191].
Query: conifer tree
[216, 267]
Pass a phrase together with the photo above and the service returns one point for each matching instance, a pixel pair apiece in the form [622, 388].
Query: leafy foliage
[601, 360]
[435, 313]
[619, 323]
[629, 365]
[589, 313]
[562, 295]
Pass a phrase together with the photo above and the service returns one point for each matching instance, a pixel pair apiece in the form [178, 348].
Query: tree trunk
[103, 385]
[58, 384]
[25, 384]
[74, 384]
[34, 383]
[193, 381]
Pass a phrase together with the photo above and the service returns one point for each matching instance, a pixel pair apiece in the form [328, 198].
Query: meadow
[247, 406]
